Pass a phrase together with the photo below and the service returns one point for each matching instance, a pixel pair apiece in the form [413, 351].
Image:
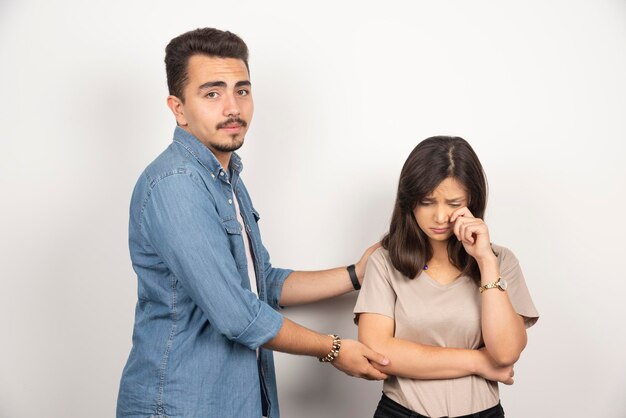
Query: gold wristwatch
[500, 284]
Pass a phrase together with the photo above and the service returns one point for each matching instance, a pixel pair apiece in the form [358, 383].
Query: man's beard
[237, 141]
[233, 146]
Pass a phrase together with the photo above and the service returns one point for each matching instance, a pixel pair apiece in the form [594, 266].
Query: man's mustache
[231, 121]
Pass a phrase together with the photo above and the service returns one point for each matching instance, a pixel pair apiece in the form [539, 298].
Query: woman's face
[432, 213]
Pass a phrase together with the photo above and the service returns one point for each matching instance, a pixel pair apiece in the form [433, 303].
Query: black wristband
[353, 277]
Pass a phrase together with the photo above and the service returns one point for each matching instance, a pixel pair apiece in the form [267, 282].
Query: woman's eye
[425, 202]
[455, 205]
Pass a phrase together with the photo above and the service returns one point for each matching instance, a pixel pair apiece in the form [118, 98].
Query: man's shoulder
[173, 168]
[174, 160]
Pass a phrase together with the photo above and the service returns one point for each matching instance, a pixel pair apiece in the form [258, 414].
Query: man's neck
[223, 158]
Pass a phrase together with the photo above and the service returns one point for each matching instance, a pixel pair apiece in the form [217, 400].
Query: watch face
[502, 284]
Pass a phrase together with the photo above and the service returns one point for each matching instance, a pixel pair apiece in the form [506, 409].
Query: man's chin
[234, 145]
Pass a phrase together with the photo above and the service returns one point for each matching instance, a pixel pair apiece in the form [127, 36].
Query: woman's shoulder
[506, 257]
[500, 250]
[380, 255]
[380, 260]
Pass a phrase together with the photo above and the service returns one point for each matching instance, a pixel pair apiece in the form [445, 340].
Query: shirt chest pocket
[254, 227]
[235, 235]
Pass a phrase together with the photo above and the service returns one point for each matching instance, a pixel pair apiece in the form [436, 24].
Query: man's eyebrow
[210, 84]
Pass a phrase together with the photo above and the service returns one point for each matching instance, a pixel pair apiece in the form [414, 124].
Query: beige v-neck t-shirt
[430, 313]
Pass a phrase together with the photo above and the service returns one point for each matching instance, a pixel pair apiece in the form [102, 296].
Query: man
[205, 321]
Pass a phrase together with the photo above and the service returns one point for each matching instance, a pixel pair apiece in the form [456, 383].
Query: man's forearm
[354, 358]
[296, 339]
[310, 286]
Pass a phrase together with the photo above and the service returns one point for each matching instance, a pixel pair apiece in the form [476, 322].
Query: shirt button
[222, 173]
[212, 175]
[230, 201]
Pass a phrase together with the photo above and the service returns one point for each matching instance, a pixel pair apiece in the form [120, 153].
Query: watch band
[500, 284]
[353, 277]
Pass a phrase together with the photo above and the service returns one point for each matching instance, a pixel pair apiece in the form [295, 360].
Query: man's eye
[211, 94]
[243, 92]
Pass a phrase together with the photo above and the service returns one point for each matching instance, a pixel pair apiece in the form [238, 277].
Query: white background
[343, 92]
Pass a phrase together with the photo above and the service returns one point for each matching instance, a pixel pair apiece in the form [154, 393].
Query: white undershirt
[246, 244]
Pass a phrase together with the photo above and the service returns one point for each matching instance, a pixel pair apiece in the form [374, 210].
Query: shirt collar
[204, 154]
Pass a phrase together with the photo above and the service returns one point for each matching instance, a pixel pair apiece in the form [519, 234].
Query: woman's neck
[440, 252]
[440, 268]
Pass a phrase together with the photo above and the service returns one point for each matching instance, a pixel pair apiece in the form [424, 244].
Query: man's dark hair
[432, 161]
[204, 41]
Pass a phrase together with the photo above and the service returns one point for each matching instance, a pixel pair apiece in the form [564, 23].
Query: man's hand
[360, 265]
[354, 359]
[487, 368]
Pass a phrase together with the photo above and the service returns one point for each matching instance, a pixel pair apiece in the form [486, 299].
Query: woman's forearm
[503, 329]
[419, 361]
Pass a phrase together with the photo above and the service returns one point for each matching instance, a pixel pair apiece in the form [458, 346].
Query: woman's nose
[442, 216]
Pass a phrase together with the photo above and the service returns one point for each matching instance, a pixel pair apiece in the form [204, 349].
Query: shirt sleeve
[274, 277]
[180, 221]
[377, 294]
[517, 290]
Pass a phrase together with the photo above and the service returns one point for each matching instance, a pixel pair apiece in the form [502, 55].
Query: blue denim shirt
[197, 324]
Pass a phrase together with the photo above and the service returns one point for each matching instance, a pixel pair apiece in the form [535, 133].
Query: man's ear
[178, 109]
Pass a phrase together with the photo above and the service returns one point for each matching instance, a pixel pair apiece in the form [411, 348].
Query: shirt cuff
[262, 329]
[275, 287]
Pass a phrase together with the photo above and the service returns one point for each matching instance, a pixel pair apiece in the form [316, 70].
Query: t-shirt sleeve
[377, 294]
[519, 295]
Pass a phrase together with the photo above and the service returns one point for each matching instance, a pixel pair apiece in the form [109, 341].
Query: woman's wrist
[487, 259]
[476, 362]
[489, 268]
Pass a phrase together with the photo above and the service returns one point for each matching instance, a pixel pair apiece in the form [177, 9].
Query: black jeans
[390, 409]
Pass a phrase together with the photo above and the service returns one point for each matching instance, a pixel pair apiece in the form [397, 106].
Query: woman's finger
[464, 211]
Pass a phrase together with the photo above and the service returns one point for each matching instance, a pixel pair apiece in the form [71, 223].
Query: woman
[448, 308]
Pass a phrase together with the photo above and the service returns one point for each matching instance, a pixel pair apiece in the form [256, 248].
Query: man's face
[218, 103]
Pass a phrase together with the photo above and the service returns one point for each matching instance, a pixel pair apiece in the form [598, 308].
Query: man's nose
[231, 107]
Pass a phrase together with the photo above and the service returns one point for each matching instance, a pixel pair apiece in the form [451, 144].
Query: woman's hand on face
[472, 233]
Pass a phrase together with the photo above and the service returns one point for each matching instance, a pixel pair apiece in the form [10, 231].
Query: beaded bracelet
[334, 352]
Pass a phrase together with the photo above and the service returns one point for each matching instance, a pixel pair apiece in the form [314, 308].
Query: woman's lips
[440, 230]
